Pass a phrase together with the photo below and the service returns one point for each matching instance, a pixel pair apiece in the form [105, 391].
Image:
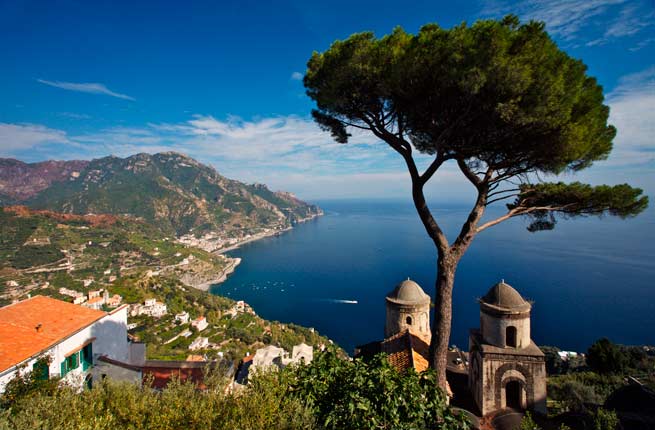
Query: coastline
[224, 274]
[236, 261]
[264, 235]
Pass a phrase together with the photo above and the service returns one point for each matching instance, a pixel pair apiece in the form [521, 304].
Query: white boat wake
[348, 302]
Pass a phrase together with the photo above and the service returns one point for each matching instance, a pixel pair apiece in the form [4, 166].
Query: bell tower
[507, 368]
[408, 307]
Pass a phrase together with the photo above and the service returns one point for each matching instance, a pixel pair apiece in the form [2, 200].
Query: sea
[588, 278]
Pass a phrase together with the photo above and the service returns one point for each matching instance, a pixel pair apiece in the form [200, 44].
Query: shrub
[355, 394]
[605, 357]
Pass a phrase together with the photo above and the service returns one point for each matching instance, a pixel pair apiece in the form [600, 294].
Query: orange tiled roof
[194, 357]
[19, 339]
[406, 350]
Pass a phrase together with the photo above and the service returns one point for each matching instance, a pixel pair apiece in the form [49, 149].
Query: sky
[222, 82]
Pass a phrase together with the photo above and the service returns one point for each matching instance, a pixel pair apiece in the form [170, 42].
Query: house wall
[110, 333]
[103, 369]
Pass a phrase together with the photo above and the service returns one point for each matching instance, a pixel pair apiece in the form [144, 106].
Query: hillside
[20, 181]
[170, 190]
[43, 251]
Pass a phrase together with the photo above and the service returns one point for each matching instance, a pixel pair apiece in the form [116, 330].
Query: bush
[605, 357]
[110, 406]
[355, 394]
[575, 389]
[329, 393]
[605, 420]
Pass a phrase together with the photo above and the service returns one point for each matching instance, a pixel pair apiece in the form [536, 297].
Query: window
[510, 336]
[40, 370]
[408, 320]
[70, 363]
[87, 356]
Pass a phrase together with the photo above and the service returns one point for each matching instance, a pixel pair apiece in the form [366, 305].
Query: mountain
[170, 190]
[20, 181]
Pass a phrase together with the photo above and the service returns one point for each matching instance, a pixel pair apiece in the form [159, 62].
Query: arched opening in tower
[408, 320]
[513, 395]
[510, 336]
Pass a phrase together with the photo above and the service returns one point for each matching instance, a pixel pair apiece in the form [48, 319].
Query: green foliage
[571, 391]
[35, 255]
[527, 423]
[330, 393]
[497, 95]
[125, 406]
[605, 420]
[28, 384]
[574, 395]
[498, 91]
[371, 395]
[605, 357]
[577, 199]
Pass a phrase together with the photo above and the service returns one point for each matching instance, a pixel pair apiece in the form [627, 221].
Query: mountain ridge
[171, 190]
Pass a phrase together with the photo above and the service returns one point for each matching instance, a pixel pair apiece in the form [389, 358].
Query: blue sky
[221, 81]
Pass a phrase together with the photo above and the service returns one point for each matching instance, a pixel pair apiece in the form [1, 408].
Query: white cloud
[16, 137]
[91, 88]
[292, 153]
[632, 112]
[574, 19]
[296, 76]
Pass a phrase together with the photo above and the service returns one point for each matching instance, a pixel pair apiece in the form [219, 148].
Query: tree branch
[520, 210]
[432, 168]
[490, 202]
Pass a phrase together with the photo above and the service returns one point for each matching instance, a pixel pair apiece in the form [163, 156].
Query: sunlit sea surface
[588, 278]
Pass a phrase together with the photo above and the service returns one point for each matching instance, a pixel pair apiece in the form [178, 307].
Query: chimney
[39, 328]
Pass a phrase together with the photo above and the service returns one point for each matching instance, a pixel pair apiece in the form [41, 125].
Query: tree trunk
[443, 312]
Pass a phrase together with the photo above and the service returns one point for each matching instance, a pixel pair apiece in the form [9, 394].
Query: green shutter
[63, 367]
[40, 371]
[87, 356]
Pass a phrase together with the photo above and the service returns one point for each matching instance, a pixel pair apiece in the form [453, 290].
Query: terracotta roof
[406, 350]
[19, 338]
[195, 357]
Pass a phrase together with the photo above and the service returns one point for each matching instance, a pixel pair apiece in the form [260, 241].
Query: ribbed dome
[408, 292]
[502, 297]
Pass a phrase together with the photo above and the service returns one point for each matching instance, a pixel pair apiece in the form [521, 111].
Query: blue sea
[588, 278]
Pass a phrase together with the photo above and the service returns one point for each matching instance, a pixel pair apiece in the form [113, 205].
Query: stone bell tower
[408, 307]
[507, 369]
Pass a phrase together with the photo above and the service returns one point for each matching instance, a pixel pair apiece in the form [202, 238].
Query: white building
[70, 338]
[150, 307]
[199, 343]
[182, 317]
[94, 303]
[200, 323]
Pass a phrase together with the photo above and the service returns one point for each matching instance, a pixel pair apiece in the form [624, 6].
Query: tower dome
[408, 308]
[503, 298]
[505, 317]
[408, 292]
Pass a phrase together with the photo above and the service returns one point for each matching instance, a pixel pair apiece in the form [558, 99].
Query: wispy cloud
[292, 153]
[16, 137]
[91, 88]
[73, 115]
[597, 21]
[296, 76]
